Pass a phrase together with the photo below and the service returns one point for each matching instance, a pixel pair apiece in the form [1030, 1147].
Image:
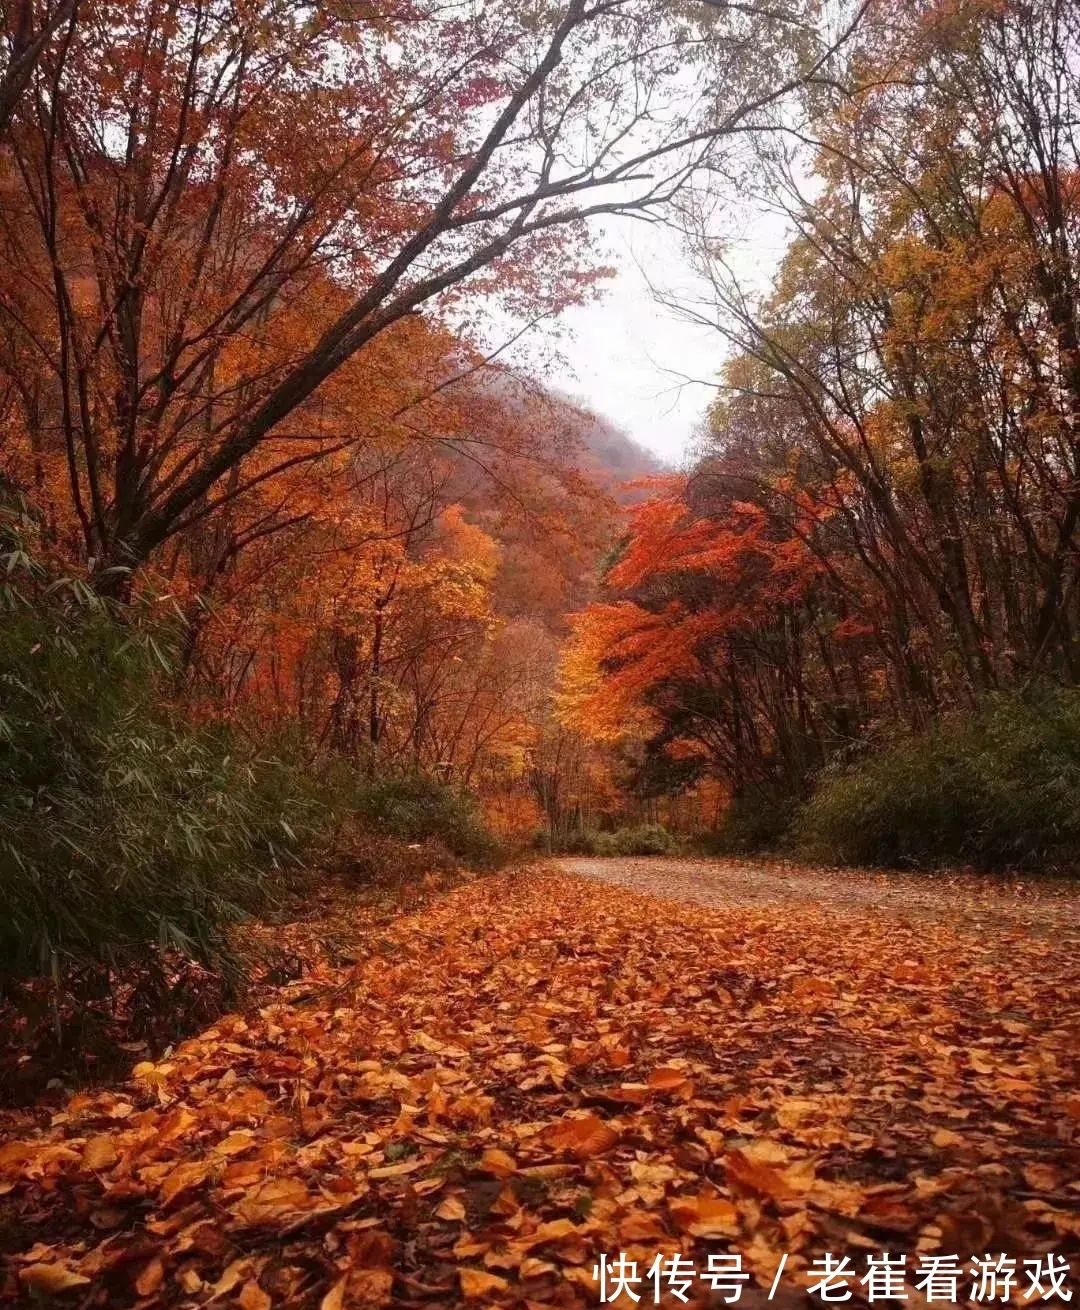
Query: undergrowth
[999, 788]
[644, 839]
[135, 841]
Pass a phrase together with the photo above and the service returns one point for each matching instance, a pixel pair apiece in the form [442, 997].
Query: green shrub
[415, 809]
[646, 839]
[997, 788]
[123, 830]
[580, 841]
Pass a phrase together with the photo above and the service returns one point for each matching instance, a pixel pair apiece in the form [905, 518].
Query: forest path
[540, 1069]
[965, 901]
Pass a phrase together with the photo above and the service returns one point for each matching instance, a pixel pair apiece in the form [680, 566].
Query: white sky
[632, 356]
[630, 353]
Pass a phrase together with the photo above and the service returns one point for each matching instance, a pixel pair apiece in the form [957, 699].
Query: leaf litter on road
[539, 1069]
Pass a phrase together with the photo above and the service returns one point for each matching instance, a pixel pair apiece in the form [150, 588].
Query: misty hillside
[612, 457]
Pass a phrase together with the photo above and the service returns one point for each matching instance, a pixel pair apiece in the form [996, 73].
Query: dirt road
[961, 900]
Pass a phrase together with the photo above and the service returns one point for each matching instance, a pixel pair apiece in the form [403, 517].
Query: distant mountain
[556, 429]
[534, 491]
[612, 458]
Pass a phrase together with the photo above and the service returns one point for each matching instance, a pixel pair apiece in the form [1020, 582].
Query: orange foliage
[422, 1127]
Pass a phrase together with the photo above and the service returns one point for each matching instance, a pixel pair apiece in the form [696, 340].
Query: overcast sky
[629, 353]
[632, 355]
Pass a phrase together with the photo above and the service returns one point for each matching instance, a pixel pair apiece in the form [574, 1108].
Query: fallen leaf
[252, 1297]
[664, 1079]
[497, 1162]
[182, 1179]
[478, 1282]
[335, 1298]
[705, 1215]
[99, 1153]
[51, 1279]
[583, 1137]
[151, 1278]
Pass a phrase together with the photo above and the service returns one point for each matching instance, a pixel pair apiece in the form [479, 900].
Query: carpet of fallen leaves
[537, 1069]
[97, 1024]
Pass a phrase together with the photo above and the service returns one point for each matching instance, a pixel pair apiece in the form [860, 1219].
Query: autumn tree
[922, 335]
[28, 30]
[208, 211]
[897, 414]
[400, 604]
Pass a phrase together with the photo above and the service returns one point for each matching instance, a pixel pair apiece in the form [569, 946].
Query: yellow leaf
[50, 1278]
[99, 1153]
[149, 1072]
[252, 1297]
[478, 1282]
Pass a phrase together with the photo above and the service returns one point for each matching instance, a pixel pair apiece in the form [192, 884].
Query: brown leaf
[705, 1215]
[641, 1226]
[276, 1200]
[335, 1298]
[761, 1168]
[396, 1170]
[452, 1208]
[666, 1079]
[99, 1153]
[151, 1277]
[241, 1140]
[497, 1162]
[182, 1179]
